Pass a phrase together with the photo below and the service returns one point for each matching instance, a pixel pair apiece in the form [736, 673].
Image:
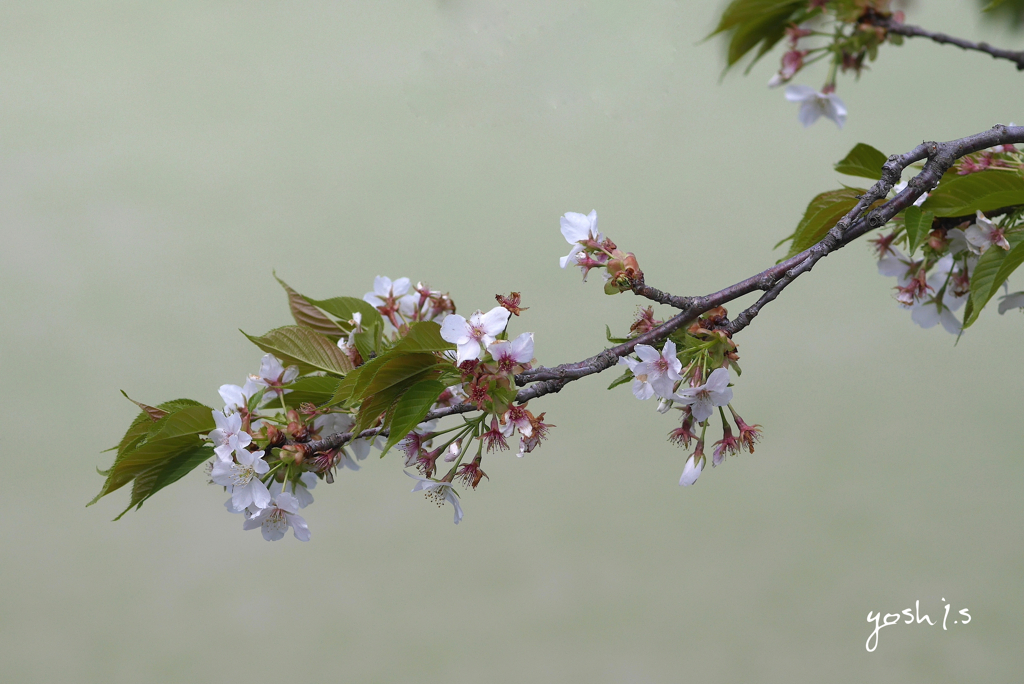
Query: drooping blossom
[1011, 301]
[694, 464]
[578, 229]
[438, 492]
[471, 336]
[299, 489]
[982, 234]
[510, 354]
[939, 309]
[229, 435]
[241, 475]
[277, 517]
[703, 400]
[814, 105]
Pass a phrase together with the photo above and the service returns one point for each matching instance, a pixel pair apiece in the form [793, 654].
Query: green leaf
[411, 408]
[423, 336]
[993, 268]
[745, 11]
[345, 308]
[863, 160]
[175, 467]
[622, 379]
[983, 191]
[918, 224]
[308, 316]
[822, 213]
[312, 389]
[172, 434]
[152, 411]
[769, 28]
[308, 350]
[613, 340]
[397, 370]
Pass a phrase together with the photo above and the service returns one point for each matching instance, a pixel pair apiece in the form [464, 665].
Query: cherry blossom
[277, 517]
[241, 475]
[509, 354]
[814, 104]
[658, 371]
[273, 374]
[939, 309]
[703, 400]
[691, 471]
[982, 234]
[479, 331]
[438, 492]
[578, 229]
[300, 489]
[1011, 301]
[237, 398]
[229, 435]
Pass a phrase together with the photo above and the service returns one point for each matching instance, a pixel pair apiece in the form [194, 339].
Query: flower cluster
[690, 372]
[590, 249]
[937, 283]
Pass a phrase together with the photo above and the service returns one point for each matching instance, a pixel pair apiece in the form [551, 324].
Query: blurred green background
[158, 160]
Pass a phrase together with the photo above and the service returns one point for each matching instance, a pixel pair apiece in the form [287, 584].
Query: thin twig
[772, 280]
[891, 26]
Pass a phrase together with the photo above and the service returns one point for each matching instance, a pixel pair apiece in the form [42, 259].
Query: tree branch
[940, 157]
[891, 26]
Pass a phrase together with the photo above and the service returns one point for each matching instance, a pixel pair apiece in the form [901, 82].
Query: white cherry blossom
[236, 398]
[659, 370]
[439, 492]
[300, 489]
[229, 435]
[814, 104]
[479, 331]
[576, 229]
[703, 400]
[1011, 301]
[384, 288]
[277, 517]
[242, 476]
[691, 471]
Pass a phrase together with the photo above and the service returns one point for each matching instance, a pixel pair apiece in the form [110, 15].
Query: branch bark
[1017, 57]
[940, 157]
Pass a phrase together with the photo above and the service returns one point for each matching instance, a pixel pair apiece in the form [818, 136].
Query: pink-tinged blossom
[385, 289]
[510, 354]
[792, 61]
[242, 476]
[273, 373]
[657, 371]
[438, 492]
[934, 310]
[982, 234]
[703, 400]
[578, 229]
[229, 435]
[479, 331]
[814, 105]
[1011, 301]
[277, 517]
[517, 417]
